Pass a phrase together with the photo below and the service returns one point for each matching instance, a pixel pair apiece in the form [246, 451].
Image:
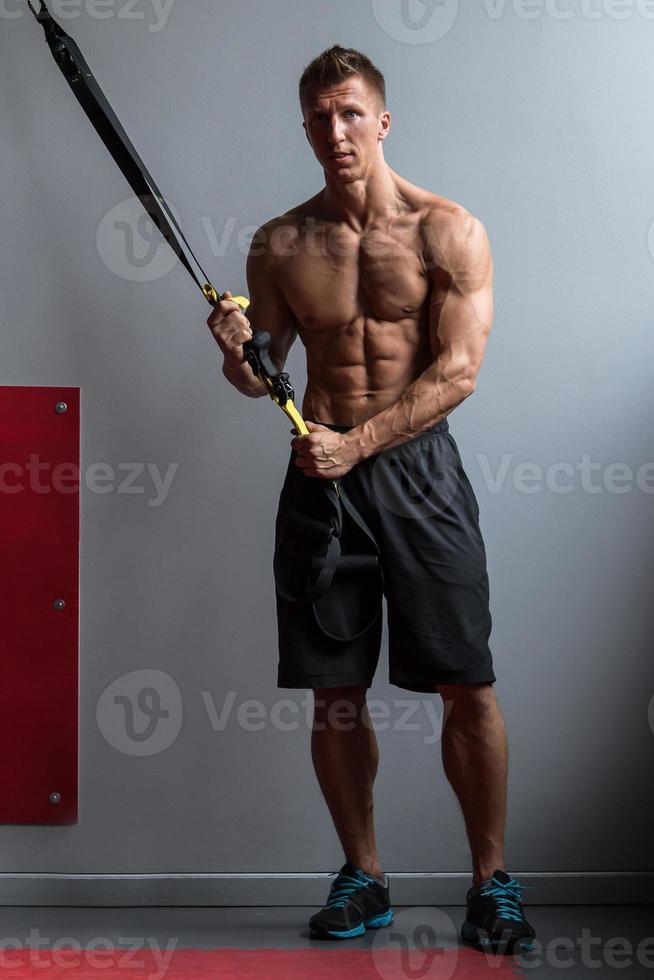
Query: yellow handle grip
[214, 298]
[289, 408]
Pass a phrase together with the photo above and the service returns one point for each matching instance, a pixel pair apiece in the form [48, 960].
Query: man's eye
[351, 112]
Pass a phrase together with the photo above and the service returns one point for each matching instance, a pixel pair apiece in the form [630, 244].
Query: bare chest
[332, 276]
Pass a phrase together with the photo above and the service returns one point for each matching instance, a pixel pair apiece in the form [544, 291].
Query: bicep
[268, 308]
[461, 309]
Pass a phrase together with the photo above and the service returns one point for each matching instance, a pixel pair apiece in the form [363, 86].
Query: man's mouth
[340, 156]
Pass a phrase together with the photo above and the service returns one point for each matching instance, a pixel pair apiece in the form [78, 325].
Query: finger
[216, 307]
[227, 307]
[223, 314]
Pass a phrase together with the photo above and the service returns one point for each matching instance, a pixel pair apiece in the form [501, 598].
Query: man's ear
[384, 125]
[306, 132]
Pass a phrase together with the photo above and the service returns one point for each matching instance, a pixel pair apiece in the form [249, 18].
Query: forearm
[241, 375]
[429, 399]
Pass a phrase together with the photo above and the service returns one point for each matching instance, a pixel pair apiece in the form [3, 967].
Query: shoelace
[507, 897]
[343, 887]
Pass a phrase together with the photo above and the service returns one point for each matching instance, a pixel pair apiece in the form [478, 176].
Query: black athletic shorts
[420, 505]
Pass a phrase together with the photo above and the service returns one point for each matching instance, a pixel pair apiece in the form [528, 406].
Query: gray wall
[542, 127]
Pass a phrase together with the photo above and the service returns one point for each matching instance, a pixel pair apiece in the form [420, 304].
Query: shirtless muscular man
[389, 288]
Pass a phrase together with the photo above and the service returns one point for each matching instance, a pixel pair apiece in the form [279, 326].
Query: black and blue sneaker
[356, 902]
[495, 919]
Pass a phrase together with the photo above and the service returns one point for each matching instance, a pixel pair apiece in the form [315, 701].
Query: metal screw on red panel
[55, 797]
[61, 407]
[59, 604]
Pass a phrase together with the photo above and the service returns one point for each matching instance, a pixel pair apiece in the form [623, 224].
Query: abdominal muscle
[359, 369]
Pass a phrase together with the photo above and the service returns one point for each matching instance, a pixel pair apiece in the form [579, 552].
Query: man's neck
[360, 202]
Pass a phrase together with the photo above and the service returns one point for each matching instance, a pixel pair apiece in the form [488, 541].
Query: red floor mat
[259, 964]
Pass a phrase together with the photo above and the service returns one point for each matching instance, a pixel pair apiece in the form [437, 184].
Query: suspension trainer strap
[90, 96]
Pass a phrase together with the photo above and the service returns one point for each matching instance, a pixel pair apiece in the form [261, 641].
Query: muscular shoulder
[455, 240]
[272, 239]
[277, 237]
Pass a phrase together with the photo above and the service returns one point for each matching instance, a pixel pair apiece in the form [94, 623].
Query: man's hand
[324, 453]
[230, 327]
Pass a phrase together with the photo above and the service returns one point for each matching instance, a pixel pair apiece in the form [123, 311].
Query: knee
[469, 700]
[338, 705]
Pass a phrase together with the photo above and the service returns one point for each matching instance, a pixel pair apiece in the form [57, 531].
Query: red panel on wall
[39, 605]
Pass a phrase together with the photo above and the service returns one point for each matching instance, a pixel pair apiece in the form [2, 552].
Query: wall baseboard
[545, 888]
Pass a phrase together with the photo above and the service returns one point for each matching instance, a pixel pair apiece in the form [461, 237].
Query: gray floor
[574, 940]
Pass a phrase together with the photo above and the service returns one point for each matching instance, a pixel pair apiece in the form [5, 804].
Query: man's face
[344, 125]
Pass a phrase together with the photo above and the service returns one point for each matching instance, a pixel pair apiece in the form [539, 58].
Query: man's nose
[335, 131]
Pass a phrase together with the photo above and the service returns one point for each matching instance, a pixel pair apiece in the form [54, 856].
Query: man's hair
[335, 65]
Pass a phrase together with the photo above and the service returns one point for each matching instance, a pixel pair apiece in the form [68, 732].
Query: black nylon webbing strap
[90, 96]
[311, 567]
[108, 127]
